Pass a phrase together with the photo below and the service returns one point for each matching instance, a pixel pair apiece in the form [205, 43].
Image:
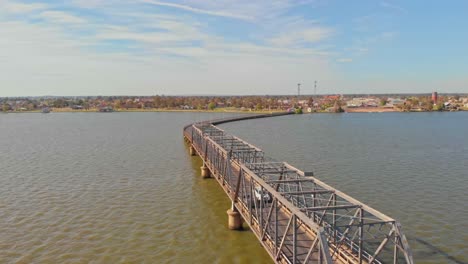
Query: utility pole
[298, 91]
[315, 89]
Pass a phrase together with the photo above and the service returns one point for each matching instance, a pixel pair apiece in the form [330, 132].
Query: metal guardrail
[295, 216]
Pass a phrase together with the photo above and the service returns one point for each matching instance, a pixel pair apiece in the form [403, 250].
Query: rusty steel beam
[320, 208]
[290, 181]
[308, 192]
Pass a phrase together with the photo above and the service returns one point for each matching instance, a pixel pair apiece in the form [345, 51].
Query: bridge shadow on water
[434, 251]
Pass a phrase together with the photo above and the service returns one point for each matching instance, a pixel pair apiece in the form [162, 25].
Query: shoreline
[222, 110]
[58, 110]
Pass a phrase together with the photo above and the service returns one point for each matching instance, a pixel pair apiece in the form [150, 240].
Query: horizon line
[234, 95]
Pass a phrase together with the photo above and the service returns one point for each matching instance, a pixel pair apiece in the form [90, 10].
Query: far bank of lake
[230, 110]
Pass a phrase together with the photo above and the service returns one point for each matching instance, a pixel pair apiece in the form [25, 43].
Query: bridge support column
[234, 219]
[192, 151]
[205, 172]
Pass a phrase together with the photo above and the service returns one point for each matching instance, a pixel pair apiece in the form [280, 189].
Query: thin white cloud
[303, 37]
[61, 17]
[344, 60]
[362, 46]
[17, 8]
[154, 38]
[388, 35]
[160, 32]
[198, 10]
[259, 10]
[358, 51]
[393, 7]
[88, 3]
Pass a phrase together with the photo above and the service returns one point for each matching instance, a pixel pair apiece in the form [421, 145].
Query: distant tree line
[163, 102]
[335, 103]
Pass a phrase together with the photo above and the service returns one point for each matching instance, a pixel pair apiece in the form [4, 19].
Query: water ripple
[110, 188]
[409, 166]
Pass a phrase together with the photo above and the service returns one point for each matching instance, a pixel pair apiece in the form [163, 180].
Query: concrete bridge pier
[234, 219]
[192, 151]
[205, 172]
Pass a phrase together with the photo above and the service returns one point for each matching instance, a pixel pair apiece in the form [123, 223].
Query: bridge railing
[297, 218]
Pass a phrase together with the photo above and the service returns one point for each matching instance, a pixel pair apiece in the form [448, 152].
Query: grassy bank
[94, 110]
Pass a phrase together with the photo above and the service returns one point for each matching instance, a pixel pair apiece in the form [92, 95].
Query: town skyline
[240, 95]
[273, 103]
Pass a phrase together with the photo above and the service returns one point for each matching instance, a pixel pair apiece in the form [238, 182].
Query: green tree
[258, 106]
[414, 101]
[383, 101]
[428, 106]
[59, 103]
[5, 107]
[337, 107]
[407, 106]
[30, 106]
[211, 106]
[440, 106]
[117, 104]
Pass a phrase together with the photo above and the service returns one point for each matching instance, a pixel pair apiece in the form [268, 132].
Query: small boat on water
[46, 110]
[106, 109]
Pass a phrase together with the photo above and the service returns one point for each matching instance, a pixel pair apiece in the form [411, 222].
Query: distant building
[395, 102]
[362, 102]
[332, 97]
[354, 103]
[435, 96]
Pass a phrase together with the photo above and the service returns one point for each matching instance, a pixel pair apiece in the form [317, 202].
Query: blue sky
[147, 47]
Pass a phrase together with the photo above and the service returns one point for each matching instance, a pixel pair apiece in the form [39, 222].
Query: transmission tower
[315, 89]
[298, 90]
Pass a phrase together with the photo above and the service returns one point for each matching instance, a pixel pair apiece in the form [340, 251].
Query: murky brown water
[121, 188]
[111, 188]
[411, 166]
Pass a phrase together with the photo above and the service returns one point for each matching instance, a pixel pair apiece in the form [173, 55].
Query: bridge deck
[296, 217]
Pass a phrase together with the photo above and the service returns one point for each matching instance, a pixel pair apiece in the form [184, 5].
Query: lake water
[121, 188]
[411, 166]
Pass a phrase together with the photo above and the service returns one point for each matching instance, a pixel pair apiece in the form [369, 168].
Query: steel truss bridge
[296, 217]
